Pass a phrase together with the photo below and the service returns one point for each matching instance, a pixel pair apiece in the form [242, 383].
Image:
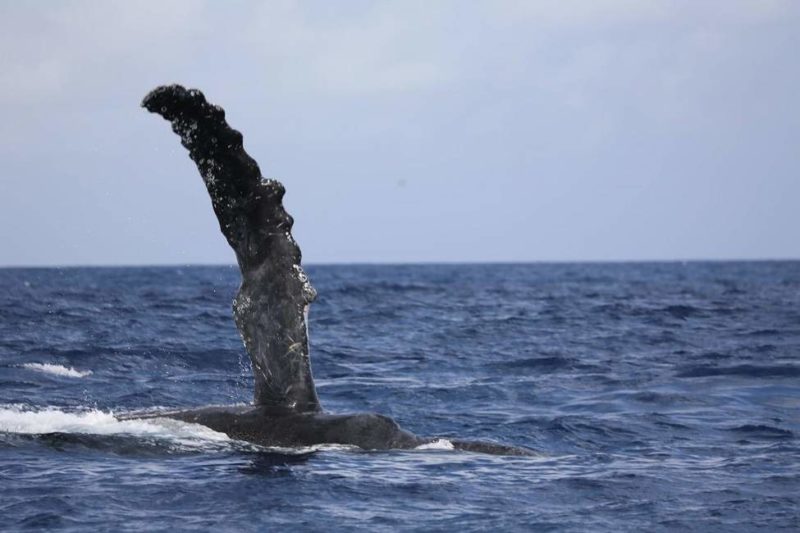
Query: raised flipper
[270, 308]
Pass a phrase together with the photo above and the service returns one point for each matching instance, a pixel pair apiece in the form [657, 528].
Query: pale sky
[409, 131]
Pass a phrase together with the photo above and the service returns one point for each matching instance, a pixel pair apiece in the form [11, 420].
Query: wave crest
[57, 370]
[30, 421]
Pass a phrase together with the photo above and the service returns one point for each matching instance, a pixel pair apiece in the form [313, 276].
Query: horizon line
[417, 263]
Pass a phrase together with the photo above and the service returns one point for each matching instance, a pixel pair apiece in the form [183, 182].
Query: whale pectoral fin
[248, 207]
[275, 293]
[492, 448]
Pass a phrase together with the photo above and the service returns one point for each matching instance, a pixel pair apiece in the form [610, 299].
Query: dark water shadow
[271, 464]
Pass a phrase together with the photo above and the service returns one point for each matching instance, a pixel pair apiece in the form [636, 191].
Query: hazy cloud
[519, 130]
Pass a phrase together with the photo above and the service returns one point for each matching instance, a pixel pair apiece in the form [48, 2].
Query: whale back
[271, 307]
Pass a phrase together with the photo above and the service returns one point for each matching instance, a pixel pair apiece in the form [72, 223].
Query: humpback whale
[271, 307]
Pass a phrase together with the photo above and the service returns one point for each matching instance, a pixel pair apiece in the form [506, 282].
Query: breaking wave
[30, 421]
[57, 370]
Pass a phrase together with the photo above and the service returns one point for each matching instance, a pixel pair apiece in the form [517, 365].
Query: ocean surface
[661, 397]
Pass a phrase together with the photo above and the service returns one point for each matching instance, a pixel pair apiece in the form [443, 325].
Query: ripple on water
[663, 396]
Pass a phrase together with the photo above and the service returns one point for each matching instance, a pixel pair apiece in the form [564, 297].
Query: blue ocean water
[661, 397]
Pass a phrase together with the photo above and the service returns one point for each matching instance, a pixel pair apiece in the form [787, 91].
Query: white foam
[301, 450]
[57, 370]
[438, 444]
[25, 420]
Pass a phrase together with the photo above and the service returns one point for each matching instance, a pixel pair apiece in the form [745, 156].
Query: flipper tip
[171, 101]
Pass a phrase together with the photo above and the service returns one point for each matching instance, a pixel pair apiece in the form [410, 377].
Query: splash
[31, 421]
[57, 370]
[438, 444]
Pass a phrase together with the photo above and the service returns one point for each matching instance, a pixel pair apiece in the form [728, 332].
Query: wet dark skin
[271, 306]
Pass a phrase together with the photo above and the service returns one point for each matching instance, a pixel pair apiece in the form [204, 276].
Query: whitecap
[313, 448]
[30, 421]
[438, 444]
[57, 370]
